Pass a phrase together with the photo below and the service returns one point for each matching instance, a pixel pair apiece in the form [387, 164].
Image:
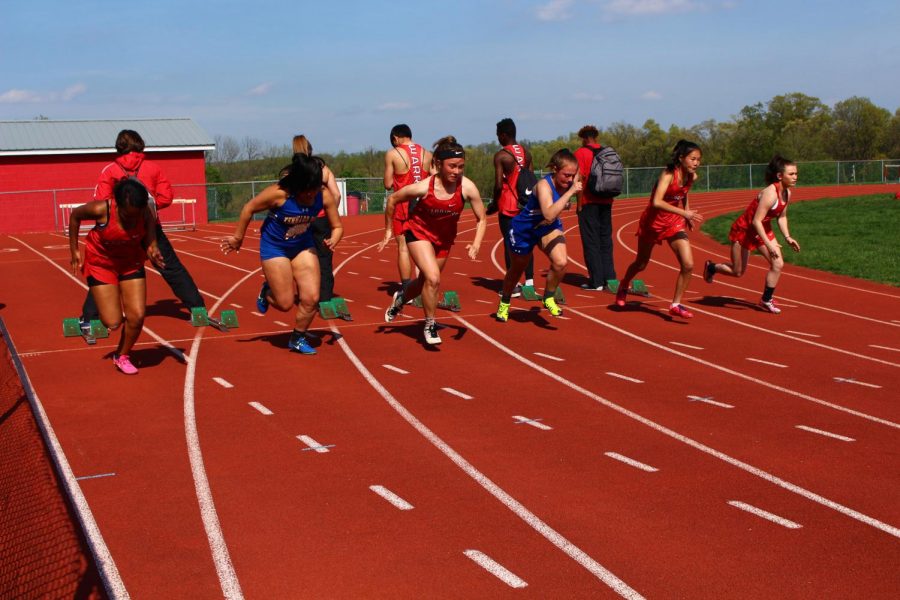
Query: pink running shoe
[621, 295]
[679, 310]
[123, 363]
[770, 306]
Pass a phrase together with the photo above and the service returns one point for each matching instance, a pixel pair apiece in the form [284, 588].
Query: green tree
[890, 144]
[856, 132]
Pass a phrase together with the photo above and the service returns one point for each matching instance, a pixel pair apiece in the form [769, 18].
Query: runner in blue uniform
[287, 249]
[538, 224]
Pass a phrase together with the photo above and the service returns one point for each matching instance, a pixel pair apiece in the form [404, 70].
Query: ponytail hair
[447, 147]
[302, 145]
[681, 149]
[776, 167]
[302, 175]
[560, 158]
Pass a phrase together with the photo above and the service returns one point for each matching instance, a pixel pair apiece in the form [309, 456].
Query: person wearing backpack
[131, 162]
[594, 217]
[509, 161]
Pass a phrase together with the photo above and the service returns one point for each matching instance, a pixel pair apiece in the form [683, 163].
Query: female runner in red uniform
[431, 228]
[753, 230]
[665, 221]
[114, 258]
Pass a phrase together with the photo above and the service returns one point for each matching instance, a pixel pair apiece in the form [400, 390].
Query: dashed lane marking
[631, 462]
[395, 369]
[391, 497]
[484, 301]
[374, 277]
[884, 347]
[766, 362]
[261, 408]
[765, 514]
[803, 333]
[352, 273]
[549, 356]
[520, 420]
[460, 274]
[373, 307]
[709, 400]
[843, 438]
[313, 445]
[235, 305]
[496, 569]
[457, 393]
[257, 314]
[99, 476]
[222, 382]
[683, 345]
[855, 382]
[281, 324]
[626, 378]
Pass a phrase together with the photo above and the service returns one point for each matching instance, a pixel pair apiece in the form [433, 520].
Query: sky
[344, 72]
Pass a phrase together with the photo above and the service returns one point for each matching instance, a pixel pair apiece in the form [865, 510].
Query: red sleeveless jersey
[743, 231]
[111, 250]
[508, 200]
[657, 225]
[434, 219]
[414, 157]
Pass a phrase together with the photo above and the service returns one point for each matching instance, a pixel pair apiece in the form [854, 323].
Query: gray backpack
[607, 173]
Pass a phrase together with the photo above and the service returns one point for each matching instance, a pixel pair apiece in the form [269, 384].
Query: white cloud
[73, 90]
[19, 97]
[650, 7]
[651, 95]
[393, 106]
[260, 90]
[586, 97]
[555, 10]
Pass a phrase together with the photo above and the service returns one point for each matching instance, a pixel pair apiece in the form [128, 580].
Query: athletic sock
[505, 299]
[549, 294]
[768, 293]
[529, 282]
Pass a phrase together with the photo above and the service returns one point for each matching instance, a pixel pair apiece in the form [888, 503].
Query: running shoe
[298, 343]
[85, 326]
[770, 306]
[551, 305]
[621, 296]
[394, 309]
[516, 291]
[431, 333]
[590, 288]
[709, 271]
[262, 301]
[502, 314]
[679, 310]
[123, 363]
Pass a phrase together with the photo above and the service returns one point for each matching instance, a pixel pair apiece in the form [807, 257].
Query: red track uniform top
[434, 219]
[135, 164]
[508, 200]
[413, 155]
[585, 156]
[111, 251]
[659, 225]
[743, 231]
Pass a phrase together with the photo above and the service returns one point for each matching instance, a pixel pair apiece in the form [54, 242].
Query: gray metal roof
[65, 137]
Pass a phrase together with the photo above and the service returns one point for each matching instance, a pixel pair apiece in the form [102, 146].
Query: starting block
[529, 293]
[336, 308]
[200, 318]
[449, 300]
[638, 287]
[72, 328]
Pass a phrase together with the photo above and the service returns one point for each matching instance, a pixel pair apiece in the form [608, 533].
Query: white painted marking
[366, 257]
[460, 274]
[313, 444]
[99, 476]
[391, 497]
[395, 369]
[585, 296]
[549, 356]
[855, 382]
[9, 249]
[564, 318]
[261, 408]
[631, 379]
[383, 260]
[803, 333]
[56, 247]
[520, 420]
[375, 278]
[281, 324]
[708, 400]
[686, 346]
[632, 462]
[456, 393]
[235, 305]
[373, 307]
[348, 300]
[884, 347]
[222, 382]
[352, 273]
[766, 362]
[254, 313]
[484, 301]
[843, 438]
[495, 569]
[765, 514]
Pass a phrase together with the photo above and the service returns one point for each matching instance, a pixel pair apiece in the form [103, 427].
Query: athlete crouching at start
[431, 229]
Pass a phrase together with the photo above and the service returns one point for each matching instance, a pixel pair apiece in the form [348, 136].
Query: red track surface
[548, 504]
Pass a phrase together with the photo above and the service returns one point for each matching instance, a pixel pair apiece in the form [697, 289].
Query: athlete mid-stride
[431, 229]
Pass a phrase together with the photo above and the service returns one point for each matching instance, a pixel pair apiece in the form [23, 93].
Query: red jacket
[147, 171]
[585, 156]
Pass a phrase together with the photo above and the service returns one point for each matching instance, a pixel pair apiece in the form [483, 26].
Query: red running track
[738, 455]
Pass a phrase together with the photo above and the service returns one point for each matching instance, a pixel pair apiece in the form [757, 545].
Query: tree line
[795, 125]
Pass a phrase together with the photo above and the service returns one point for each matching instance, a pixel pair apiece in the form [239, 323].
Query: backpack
[525, 184]
[607, 173]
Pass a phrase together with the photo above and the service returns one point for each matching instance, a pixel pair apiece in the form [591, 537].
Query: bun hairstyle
[447, 147]
[776, 167]
[681, 149]
[560, 158]
[302, 175]
[130, 192]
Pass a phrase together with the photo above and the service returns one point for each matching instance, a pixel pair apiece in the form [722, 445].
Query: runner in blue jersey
[538, 224]
[287, 248]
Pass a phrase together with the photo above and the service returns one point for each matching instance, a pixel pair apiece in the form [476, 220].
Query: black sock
[768, 293]
[505, 299]
[296, 334]
[549, 294]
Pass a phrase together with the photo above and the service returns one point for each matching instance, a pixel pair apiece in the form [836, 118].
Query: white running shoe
[394, 309]
[770, 306]
[431, 333]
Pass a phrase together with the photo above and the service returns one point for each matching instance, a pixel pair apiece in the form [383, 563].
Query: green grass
[857, 236]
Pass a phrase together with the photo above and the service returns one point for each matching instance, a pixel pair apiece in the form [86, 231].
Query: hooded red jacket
[147, 171]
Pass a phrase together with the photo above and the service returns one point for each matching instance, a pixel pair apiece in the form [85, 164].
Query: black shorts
[139, 274]
[410, 237]
[681, 235]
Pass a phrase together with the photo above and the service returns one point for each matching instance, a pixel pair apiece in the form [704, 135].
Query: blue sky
[344, 72]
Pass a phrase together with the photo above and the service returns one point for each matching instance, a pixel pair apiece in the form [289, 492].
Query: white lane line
[709, 400]
[686, 346]
[765, 514]
[222, 382]
[549, 356]
[843, 438]
[585, 296]
[631, 379]
[99, 476]
[365, 257]
[383, 260]
[631, 462]
[261, 408]
[484, 301]
[520, 420]
[391, 497]
[803, 333]
[374, 277]
[564, 318]
[373, 307]
[313, 445]
[256, 314]
[495, 569]
[884, 347]
[855, 382]
[235, 305]
[456, 393]
[395, 369]
[352, 273]
[460, 274]
[281, 324]
[766, 362]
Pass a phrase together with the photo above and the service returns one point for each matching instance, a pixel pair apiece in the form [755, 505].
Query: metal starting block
[638, 287]
[529, 293]
[449, 301]
[72, 328]
[227, 319]
[336, 308]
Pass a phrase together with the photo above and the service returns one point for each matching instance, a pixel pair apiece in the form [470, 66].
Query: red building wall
[28, 202]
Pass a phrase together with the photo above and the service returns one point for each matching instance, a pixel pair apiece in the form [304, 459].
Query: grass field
[857, 236]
